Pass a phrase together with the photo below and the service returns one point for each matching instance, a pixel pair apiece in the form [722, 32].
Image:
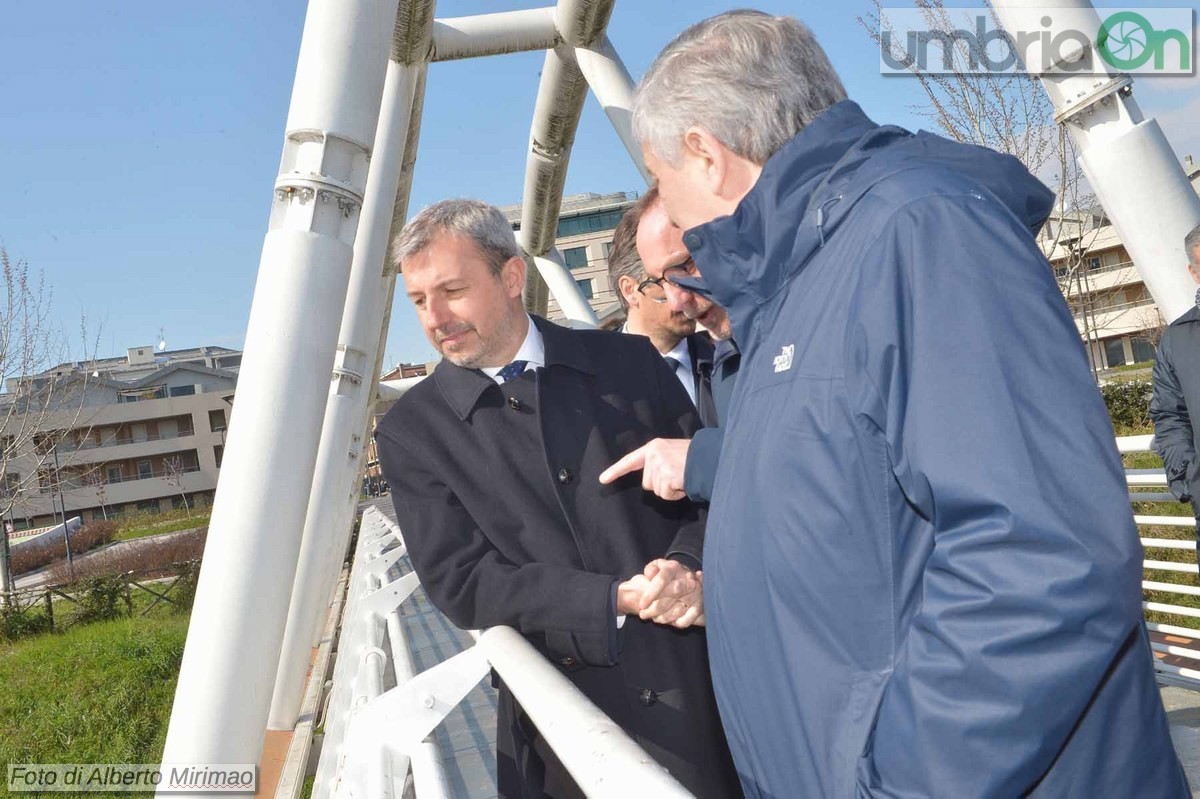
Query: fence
[374, 737]
[1169, 552]
[31, 611]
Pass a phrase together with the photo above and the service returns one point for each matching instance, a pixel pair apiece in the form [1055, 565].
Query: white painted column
[229, 663]
[341, 434]
[1125, 156]
[609, 80]
[563, 287]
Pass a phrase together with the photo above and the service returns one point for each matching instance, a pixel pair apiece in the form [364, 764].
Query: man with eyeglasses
[648, 313]
[674, 468]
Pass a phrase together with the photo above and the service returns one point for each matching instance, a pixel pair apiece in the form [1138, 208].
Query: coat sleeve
[999, 440]
[678, 418]
[470, 581]
[1172, 425]
[704, 455]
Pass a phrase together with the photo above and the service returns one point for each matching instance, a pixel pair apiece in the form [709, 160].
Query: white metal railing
[378, 739]
[1188, 643]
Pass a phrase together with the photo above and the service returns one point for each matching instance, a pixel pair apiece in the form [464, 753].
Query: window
[11, 484]
[575, 257]
[114, 474]
[589, 223]
[218, 453]
[182, 391]
[216, 420]
[607, 249]
[1114, 352]
[1093, 263]
[586, 287]
[177, 502]
[148, 505]
[143, 394]
[1143, 350]
[145, 469]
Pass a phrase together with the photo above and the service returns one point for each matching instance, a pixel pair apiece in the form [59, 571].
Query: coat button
[514, 403]
[691, 240]
[567, 661]
[647, 697]
[565, 476]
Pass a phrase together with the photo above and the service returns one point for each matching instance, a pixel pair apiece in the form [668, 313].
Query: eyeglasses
[685, 269]
[659, 295]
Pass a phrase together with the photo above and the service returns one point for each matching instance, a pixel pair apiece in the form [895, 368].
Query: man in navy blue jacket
[922, 578]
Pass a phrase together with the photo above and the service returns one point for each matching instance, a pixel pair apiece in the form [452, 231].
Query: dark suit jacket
[496, 491]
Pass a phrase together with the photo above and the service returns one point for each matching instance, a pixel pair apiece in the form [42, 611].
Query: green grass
[98, 693]
[141, 525]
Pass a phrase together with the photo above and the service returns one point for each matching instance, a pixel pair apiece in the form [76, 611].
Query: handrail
[1175, 673]
[374, 737]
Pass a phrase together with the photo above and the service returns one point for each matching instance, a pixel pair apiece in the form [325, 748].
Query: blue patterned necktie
[514, 369]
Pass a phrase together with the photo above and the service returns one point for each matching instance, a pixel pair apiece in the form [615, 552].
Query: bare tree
[42, 406]
[173, 473]
[1008, 112]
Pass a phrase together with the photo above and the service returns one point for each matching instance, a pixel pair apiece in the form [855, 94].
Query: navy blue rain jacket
[922, 577]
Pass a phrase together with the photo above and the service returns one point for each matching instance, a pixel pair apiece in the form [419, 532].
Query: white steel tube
[602, 758]
[1126, 157]
[342, 524]
[347, 396]
[494, 34]
[563, 287]
[610, 82]
[229, 662]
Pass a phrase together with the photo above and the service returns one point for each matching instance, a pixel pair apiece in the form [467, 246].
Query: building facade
[141, 433]
[585, 230]
[1113, 310]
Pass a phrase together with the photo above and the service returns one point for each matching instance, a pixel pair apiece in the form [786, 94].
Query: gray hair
[483, 224]
[623, 258]
[752, 80]
[1191, 245]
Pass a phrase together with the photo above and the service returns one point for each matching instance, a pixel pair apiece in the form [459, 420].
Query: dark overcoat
[497, 494]
[1175, 407]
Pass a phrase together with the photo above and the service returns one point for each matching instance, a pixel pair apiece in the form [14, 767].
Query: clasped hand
[666, 592]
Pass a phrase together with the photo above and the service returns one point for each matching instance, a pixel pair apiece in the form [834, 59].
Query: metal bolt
[428, 701]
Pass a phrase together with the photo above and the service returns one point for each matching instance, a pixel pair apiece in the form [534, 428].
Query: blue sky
[139, 143]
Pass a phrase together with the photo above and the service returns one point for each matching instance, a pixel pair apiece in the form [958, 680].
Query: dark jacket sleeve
[1172, 425]
[679, 419]
[998, 438]
[470, 581]
[704, 455]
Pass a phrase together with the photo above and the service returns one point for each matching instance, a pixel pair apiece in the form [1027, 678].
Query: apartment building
[585, 230]
[1113, 310]
[143, 432]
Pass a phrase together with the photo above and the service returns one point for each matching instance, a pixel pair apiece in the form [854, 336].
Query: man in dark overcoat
[494, 463]
[1176, 402]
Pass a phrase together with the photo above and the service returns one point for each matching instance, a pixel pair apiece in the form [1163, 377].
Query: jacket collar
[1192, 315]
[463, 387]
[799, 189]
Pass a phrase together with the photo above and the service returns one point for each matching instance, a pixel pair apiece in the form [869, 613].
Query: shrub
[99, 599]
[87, 537]
[1128, 404]
[14, 624]
[184, 593]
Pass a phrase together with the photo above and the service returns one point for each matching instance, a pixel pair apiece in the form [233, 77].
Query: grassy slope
[99, 693]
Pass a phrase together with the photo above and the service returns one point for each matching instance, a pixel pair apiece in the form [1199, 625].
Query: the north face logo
[783, 361]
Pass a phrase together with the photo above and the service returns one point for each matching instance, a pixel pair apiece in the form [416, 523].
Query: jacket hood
[809, 187]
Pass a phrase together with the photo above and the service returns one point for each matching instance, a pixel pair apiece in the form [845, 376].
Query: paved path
[41, 577]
